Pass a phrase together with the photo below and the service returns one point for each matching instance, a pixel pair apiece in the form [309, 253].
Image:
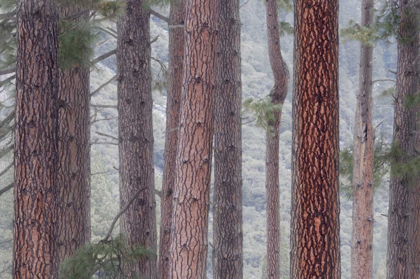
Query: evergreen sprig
[381, 165]
[105, 258]
[264, 111]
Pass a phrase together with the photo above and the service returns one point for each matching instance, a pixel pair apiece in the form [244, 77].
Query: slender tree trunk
[363, 152]
[315, 226]
[36, 127]
[401, 241]
[414, 196]
[193, 164]
[227, 212]
[74, 153]
[135, 106]
[176, 61]
[278, 95]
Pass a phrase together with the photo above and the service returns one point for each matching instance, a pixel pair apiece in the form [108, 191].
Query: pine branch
[114, 78]
[6, 189]
[122, 211]
[158, 15]
[103, 57]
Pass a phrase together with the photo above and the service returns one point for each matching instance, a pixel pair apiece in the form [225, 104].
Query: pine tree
[136, 134]
[277, 96]
[363, 165]
[315, 227]
[36, 157]
[176, 60]
[227, 211]
[73, 144]
[194, 156]
[403, 222]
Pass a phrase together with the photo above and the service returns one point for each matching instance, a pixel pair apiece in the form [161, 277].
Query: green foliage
[76, 41]
[285, 5]
[364, 34]
[389, 92]
[381, 162]
[263, 110]
[107, 9]
[104, 257]
[286, 28]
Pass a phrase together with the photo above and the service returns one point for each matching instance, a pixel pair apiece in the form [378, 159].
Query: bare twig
[154, 39]
[5, 151]
[122, 211]
[103, 57]
[107, 32]
[108, 136]
[176, 26]
[7, 80]
[385, 79]
[5, 189]
[114, 78]
[158, 15]
[6, 169]
[104, 106]
[8, 119]
[243, 4]
[99, 173]
[8, 71]
[104, 119]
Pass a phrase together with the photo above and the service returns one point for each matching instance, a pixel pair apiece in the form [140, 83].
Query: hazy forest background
[257, 82]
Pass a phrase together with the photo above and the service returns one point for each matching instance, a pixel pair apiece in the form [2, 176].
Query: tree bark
[402, 242]
[193, 164]
[74, 154]
[278, 95]
[227, 211]
[315, 227]
[176, 60]
[135, 106]
[36, 127]
[363, 153]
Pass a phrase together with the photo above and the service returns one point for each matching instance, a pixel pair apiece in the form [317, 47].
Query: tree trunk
[315, 227]
[363, 152]
[227, 212]
[193, 164]
[36, 127]
[135, 106]
[278, 95]
[401, 241]
[176, 60]
[74, 154]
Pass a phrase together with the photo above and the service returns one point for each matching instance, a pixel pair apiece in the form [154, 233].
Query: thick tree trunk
[227, 212]
[401, 241]
[363, 152]
[74, 153]
[315, 227]
[135, 106]
[36, 127]
[278, 95]
[176, 61]
[194, 156]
